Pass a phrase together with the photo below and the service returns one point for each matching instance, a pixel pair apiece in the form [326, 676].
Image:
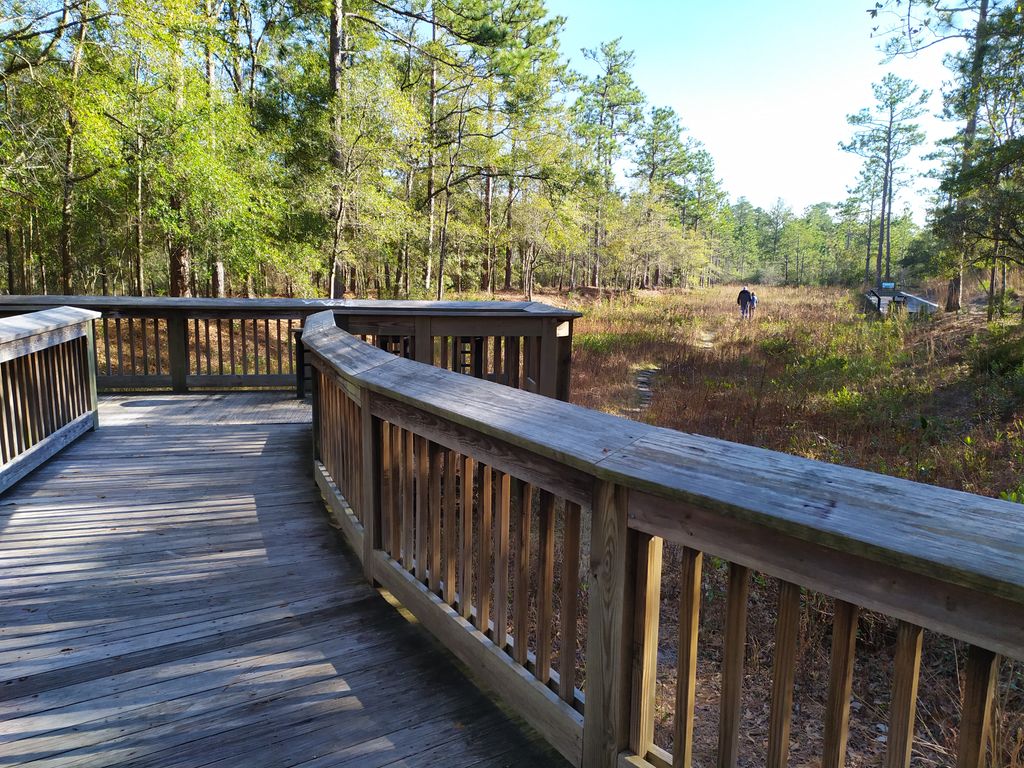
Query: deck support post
[606, 721]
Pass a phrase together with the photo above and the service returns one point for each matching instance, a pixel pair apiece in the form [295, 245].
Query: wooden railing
[47, 387]
[471, 503]
[184, 344]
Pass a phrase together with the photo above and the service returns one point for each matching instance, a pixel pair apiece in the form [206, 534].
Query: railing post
[547, 365]
[371, 446]
[90, 373]
[564, 362]
[177, 351]
[423, 351]
[606, 719]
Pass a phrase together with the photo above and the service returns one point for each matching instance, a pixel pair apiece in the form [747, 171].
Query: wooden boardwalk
[171, 595]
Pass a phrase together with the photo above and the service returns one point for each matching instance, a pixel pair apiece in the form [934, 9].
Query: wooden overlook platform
[173, 596]
[171, 593]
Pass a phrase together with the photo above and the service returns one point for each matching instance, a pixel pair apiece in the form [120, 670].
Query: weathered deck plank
[172, 595]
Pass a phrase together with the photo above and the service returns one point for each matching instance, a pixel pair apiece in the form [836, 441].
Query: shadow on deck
[174, 596]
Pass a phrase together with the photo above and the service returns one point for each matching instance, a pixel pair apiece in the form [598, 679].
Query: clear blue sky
[766, 86]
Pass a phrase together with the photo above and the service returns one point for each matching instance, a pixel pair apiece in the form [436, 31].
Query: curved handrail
[956, 538]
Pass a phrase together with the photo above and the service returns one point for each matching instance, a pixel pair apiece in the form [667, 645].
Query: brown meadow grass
[938, 401]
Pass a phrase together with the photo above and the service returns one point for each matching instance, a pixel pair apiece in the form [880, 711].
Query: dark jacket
[743, 298]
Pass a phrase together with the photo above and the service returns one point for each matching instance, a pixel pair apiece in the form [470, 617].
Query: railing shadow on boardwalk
[470, 501]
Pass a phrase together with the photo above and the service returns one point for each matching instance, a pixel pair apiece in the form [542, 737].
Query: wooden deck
[171, 595]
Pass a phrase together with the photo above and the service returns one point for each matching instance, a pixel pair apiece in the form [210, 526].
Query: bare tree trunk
[488, 265]
[9, 246]
[68, 186]
[431, 132]
[881, 226]
[508, 232]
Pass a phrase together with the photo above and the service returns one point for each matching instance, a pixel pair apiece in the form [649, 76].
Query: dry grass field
[939, 401]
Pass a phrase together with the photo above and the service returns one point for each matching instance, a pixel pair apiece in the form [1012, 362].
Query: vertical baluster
[120, 352]
[395, 534]
[569, 603]
[840, 684]
[10, 395]
[521, 590]
[6, 448]
[787, 630]
[277, 344]
[38, 395]
[106, 343]
[422, 507]
[266, 344]
[501, 564]
[26, 409]
[512, 361]
[156, 341]
[255, 347]
[131, 343]
[443, 343]
[466, 554]
[485, 557]
[646, 605]
[903, 708]
[980, 677]
[199, 352]
[436, 458]
[545, 584]
[408, 499]
[690, 571]
[291, 351]
[386, 504]
[732, 665]
[220, 348]
[206, 331]
[59, 412]
[245, 356]
[496, 358]
[450, 530]
[143, 323]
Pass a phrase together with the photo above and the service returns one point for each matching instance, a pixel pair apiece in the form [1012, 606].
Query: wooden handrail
[184, 343]
[47, 387]
[930, 557]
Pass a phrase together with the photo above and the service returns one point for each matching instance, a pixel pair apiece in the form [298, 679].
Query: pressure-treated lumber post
[547, 365]
[564, 363]
[371, 446]
[90, 369]
[423, 349]
[837, 710]
[979, 692]
[903, 709]
[645, 646]
[610, 629]
[177, 351]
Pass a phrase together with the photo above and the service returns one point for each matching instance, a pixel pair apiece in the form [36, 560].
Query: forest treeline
[393, 148]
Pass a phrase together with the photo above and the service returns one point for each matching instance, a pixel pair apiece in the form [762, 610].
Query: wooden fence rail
[47, 387]
[473, 504]
[184, 344]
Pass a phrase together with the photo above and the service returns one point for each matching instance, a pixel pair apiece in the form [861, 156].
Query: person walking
[744, 301]
[753, 305]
